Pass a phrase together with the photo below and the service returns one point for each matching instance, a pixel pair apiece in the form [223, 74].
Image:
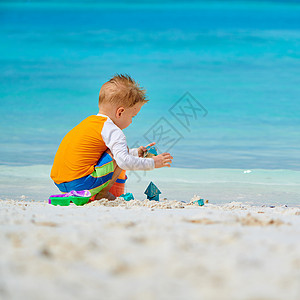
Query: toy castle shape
[152, 192]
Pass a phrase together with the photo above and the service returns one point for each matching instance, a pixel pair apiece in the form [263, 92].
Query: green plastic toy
[79, 198]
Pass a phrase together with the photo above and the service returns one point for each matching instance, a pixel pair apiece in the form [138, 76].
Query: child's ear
[120, 111]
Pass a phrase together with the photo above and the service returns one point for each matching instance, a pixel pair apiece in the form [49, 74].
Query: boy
[92, 155]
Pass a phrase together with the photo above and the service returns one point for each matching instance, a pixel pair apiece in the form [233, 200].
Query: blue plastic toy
[200, 202]
[127, 196]
[152, 192]
[151, 151]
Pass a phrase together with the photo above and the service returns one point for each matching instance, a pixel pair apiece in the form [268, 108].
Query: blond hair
[122, 90]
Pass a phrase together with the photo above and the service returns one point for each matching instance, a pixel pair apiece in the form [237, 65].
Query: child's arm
[160, 161]
[134, 151]
[140, 150]
[115, 140]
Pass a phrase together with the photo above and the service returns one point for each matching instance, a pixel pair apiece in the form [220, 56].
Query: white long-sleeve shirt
[115, 140]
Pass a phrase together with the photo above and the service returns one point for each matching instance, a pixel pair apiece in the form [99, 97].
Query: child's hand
[162, 160]
[142, 149]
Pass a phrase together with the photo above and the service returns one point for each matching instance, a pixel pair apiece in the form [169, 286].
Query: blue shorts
[95, 182]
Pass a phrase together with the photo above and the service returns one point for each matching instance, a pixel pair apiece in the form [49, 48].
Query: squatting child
[92, 155]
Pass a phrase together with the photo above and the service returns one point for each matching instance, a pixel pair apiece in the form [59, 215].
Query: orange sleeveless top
[79, 150]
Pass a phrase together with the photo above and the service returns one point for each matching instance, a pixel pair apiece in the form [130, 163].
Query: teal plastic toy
[200, 202]
[152, 192]
[127, 196]
[151, 151]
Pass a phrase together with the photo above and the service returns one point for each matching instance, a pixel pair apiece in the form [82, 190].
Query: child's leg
[105, 192]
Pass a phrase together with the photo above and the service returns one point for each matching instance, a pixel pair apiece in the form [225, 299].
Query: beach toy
[127, 196]
[200, 202]
[77, 197]
[152, 192]
[151, 151]
[197, 200]
[118, 187]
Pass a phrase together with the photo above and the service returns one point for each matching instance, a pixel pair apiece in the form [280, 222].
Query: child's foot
[106, 195]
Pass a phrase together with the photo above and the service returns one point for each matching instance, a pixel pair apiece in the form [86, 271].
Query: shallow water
[219, 186]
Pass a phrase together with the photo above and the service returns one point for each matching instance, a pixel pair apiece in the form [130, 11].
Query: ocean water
[222, 78]
[219, 186]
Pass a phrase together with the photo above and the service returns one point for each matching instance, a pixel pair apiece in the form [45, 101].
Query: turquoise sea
[237, 61]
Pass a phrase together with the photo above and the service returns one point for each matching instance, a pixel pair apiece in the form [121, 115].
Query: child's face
[124, 115]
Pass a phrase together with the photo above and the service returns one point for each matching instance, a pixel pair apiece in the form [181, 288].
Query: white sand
[129, 251]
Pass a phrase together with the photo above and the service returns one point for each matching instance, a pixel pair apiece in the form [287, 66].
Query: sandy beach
[149, 250]
[221, 79]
